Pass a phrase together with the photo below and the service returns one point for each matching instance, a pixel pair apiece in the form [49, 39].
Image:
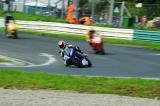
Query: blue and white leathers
[70, 52]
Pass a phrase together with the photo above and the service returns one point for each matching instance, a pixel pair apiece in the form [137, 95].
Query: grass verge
[145, 44]
[4, 60]
[30, 17]
[39, 80]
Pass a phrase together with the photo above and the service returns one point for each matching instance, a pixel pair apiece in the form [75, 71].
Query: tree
[82, 2]
[5, 1]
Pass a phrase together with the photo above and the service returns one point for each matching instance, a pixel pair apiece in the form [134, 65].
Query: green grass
[30, 17]
[145, 44]
[39, 80]
[4, 60]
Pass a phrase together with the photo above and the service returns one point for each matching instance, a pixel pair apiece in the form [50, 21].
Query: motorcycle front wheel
[89, 62]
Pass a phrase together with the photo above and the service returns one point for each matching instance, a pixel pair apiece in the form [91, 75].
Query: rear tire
[15, 36]
[77, 62]
[102, 51]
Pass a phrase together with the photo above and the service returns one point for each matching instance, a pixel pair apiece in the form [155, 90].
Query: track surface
[120, 61]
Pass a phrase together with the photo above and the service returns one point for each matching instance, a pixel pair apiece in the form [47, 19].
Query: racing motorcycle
[11, 30]
[71, 58]
[97, 45]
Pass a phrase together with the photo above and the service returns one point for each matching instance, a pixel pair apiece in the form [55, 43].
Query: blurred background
[117, 13]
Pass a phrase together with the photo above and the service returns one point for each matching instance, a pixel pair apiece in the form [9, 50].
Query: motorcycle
[76, 60]
[11, 30]
[97, 45]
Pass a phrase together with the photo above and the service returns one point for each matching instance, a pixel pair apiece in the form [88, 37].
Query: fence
[118, 33]
[75, 29]
[54, 8]
[98, 11]
[53, 27]
[147, 35]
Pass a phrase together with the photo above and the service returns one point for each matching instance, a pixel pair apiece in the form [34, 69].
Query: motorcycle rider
[7, 19]
[11, 25]
[96, 41]
[11, 28]
[92, 34]
[67, 51]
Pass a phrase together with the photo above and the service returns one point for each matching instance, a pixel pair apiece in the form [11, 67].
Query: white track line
[155, 54]
[146, 78]
[22, 63]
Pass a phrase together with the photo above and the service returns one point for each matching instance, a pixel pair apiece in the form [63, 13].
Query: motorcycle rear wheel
[77, 62]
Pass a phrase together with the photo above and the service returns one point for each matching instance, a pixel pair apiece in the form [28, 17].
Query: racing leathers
[6, 21]
[69, 51]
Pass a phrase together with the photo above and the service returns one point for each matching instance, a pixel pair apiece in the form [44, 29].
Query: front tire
[89, 63]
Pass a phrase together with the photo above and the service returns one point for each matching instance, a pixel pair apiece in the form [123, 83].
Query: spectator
[101, 19]
[143, 21]
[75, 21]
[85, 20]
[135, 20]
[70, 12]
[106, 17]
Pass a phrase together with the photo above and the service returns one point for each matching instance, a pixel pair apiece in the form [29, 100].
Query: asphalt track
[120, 61]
